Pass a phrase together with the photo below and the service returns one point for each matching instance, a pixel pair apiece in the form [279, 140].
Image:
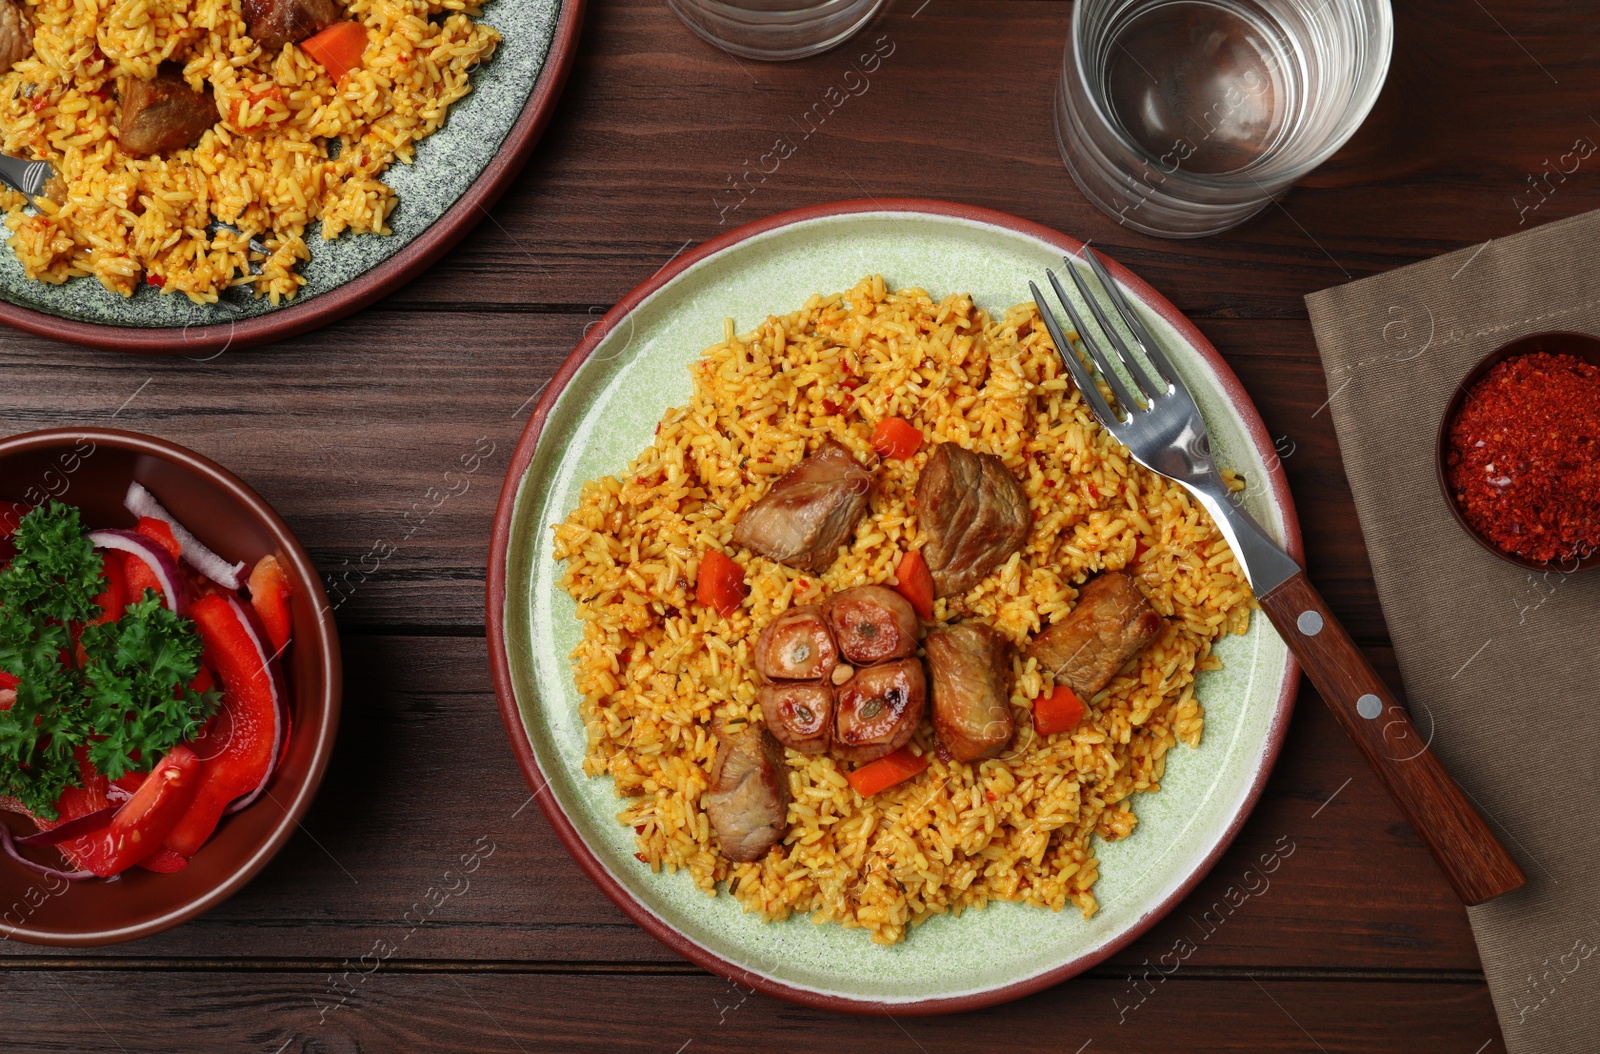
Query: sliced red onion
[88, 823]
[280, 695]
[141, 502]
[14, 853]
[160, 562]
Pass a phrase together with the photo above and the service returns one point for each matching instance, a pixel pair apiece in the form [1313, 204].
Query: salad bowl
[91, 469]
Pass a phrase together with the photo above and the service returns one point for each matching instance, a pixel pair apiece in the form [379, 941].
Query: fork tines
[1150, 389]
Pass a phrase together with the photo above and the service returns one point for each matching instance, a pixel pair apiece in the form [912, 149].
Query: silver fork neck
[1265, 564]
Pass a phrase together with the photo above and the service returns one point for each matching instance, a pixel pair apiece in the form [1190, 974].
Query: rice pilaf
[654, 668]
[291, 146]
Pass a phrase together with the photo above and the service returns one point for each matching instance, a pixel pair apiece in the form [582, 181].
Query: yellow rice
[655, 668]
[264, 168]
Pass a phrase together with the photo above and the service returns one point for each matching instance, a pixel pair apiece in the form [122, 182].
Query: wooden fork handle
[1474, 861]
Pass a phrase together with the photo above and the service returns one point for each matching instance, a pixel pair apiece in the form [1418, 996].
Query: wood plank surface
[513, 1013]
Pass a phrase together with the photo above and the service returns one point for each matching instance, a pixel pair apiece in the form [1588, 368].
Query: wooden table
[1353, 944]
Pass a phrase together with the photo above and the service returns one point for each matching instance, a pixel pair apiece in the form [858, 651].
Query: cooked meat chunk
[796, 646]
[799, 715]
[969, 664]
[16, 36]
[872, 623]
[809, 512]
[877, 711]
[274, 23]
[748, 801]
[1111, 624]
[974, 513]
[163, 115]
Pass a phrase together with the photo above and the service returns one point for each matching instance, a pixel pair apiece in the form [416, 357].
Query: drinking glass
[1183, 118]
[775, 29]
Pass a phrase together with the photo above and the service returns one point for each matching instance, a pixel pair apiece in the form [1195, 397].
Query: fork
[1163, 430]
[27, 176]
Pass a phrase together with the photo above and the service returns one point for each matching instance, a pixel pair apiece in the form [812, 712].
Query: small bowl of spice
[1519, 452]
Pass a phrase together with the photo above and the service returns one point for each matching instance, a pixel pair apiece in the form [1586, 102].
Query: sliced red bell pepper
[111, 601]
[339, 48]
[888, 770]
[914, 581]
[160, 532]
[719, 584]
[90, 796]
[137, 577]
[1060, 711]
[244, 726]
[137, 830]
[269, 595]
[896, 438]
[164, 861]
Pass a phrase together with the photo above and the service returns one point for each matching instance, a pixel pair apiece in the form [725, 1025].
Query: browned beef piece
[872, 623]
[799, 714]
[748, 801]
[796, 646]
[1110, 625]
[974, 513]
[16, 35]
[970, 667]
[274, 23]
[809, 512]
[877, 711]
[163, 115]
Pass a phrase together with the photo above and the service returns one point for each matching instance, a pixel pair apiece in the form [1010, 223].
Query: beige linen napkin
[1500, 661]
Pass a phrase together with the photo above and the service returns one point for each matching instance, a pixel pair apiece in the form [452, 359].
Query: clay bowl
[90, 468]
[1579, 345]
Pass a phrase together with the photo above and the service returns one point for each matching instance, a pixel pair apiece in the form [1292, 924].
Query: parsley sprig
[126, 696]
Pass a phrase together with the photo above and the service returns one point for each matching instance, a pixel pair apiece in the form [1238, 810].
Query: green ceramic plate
[602, 408]
[460, 170]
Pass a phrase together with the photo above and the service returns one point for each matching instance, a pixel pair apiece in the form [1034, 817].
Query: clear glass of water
[776, 29]
[1183, 118]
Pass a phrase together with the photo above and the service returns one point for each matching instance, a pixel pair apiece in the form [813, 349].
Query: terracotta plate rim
[512, 718]
[304, 575]
[406, 264]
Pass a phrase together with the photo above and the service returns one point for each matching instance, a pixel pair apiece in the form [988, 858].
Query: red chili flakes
[1094, 492]
[641, 858]
[831, 407]
[39, 101]
[990, 795]
[1524, 456]
[852, 383]
[155, 280]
